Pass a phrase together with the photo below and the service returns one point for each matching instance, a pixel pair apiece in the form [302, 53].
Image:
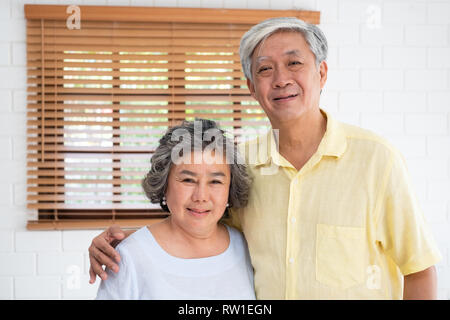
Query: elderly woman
[190, 254]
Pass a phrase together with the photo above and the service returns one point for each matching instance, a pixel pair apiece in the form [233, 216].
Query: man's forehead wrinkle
[294, 52]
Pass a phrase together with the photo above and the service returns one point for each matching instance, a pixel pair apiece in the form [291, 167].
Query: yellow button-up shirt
[346, 226]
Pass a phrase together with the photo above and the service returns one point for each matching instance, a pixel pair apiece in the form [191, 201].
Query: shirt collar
[333, 143]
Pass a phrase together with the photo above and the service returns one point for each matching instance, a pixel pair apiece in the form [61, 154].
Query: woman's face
[197, 194]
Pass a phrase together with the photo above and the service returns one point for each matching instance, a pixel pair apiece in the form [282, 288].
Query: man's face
[286, 80]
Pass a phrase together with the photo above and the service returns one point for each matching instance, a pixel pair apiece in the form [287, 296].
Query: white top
[148, 272]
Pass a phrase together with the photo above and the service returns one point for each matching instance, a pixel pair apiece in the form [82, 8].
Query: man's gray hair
[188, 137]
[313, 35]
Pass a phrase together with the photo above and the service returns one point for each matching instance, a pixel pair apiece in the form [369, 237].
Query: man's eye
[188, 180]
[216, 182]
[262, 69]
[295, 63]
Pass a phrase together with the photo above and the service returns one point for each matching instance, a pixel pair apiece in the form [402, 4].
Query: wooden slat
[157, 14]
[82, 224]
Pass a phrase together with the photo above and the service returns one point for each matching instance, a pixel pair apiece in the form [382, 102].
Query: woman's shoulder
[133, 242]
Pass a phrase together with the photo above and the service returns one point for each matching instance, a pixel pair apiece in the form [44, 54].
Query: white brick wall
[389, 71]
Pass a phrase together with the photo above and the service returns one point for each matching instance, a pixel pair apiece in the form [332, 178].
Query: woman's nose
[200, 193]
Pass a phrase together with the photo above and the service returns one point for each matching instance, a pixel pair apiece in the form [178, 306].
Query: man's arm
[102, 252]
[421, 285]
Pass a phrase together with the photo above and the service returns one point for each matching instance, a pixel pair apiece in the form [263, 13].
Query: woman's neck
[182, 243]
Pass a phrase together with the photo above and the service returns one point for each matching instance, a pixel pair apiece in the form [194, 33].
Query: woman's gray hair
[191, 136]
[313, 35]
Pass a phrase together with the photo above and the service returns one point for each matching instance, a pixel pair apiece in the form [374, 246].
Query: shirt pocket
[340, 255]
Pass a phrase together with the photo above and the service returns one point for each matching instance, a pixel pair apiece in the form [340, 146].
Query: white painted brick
[439, 101]
[20, 194]
[5, 9]
[404, 12]
[58, 263]
[404, 102]
[328, 10]
[14, 171]
[435, 211]
[74, 288]
[12, 30]
[17, 264]
[386, 35]
[212, 3]
[427, 124]
[381, 79]
[19, 54]
[13, 124]
[425, 35]
[340, 34]
[6, 147]
[438, 57]
[6, 240]
[329, 100]
[78, 241]
[383, 123]
[5, 56]
[440, 232]
[19, 147]
[332, 58]
[257, 4]
[306, 5]
[236, 4]
[410, 146]
[119, 2]
[426, 168]
[438, 13]
[6, 288]
[404, 57]
[351, 118]
[5, 101]
[359, 11]
[13, 77]
[425, 79]
[37, 287]
[137, 3]
[278, 4]
[20, 101]
[6, 194]
[165, 3]
[342, 79]
[363, 57]
[38, 241]
[189, 3]
[17, 8]
[360, 102]
[438, 189]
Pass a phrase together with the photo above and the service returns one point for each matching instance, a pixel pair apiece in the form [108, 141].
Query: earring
[163, 202]
[228, 205]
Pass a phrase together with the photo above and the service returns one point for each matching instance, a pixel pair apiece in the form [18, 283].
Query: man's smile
[285, 97]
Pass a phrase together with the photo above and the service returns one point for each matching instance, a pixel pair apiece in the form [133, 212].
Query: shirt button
[291, 260]
[293, 220]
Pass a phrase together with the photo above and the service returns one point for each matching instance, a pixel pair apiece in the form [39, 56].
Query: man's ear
[323, 70]
[251, 87]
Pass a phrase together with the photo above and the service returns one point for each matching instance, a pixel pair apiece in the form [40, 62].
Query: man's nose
[281, 78]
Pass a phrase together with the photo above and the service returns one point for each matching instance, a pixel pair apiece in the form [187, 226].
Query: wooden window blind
[100, 97]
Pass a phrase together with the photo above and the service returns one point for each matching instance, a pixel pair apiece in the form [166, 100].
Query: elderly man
[338, 218]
